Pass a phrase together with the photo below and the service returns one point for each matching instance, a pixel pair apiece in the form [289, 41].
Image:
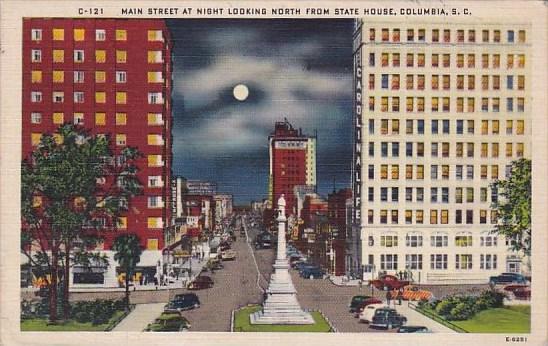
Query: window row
[100, 118]
[444, 35]
[439, 239]
[418, 126]
[417, 172]
[444, 60]
[438, 261]
[120, 56]
[437, 194]
[435, 216]
[438, 82]
[100, 97]
[443, 104]
[79, 34]
[58, 76]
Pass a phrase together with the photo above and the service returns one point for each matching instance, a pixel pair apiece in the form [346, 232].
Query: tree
[128, 252]
[73, 188]
[513, 207]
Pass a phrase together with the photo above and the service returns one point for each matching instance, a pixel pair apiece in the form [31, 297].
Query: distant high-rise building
[113, 77]
[200, 187]
[292, 163]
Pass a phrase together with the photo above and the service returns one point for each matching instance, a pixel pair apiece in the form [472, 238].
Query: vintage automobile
[356, 302]
[312, 273]
[519, 291]
[388, 283]
[411, 292]
[365, 304]
[366, 315]
[169, 322]
[507, 278]
[182, 302]
[201, 282]
[387, 318]
[414, 329]
[228, 255]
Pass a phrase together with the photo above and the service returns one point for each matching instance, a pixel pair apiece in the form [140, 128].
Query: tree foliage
[513, 206]
[73, 188]
[128, 252]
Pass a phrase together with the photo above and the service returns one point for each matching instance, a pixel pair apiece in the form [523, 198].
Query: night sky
[295, 69]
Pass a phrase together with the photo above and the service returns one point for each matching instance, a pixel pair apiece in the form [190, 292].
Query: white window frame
[79, 76]
[78, 118]
[78, 53]
[36, 96]
[155, 98]
[36, 55]
[413, 239]
[121, 76]
[389, 261]
[413, 261]
[100, 35]
[58, 95]
[36, 34]
[439, 240]
[78, 97]
[438, 261]
[36, 118]
[464, 265]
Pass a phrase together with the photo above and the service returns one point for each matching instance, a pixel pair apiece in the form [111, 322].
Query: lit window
[100, 56]
[155, 119]
[36, 76]
[58, 76]
[100, 97]
[121, 56]
[58, 118]
[35, 138]
[58, 34]
[121, 118]
[100, 119]
[120, 139]
[155, 35]
[155, 222]
[79, 34]
[463, 261]
[155, 77]
[100, 76]
[155, 56]
[58, 55]
[121, 35]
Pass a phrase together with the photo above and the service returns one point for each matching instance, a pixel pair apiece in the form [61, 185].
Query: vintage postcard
[212, 172]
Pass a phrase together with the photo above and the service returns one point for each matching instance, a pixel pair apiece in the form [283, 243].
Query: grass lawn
[241, 323]
[40, 325]
[511, 319]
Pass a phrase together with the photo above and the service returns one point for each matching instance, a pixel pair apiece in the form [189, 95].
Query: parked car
[366, 315]
[387, 318]
[507, 278]
[169, 322]
[299, 266]
[356, 302]
[263, 241]
[214, 264]
[201, 282]
[366, 303]
[520, 291]
[312, 273]
[388, 283]
[228, 255]
[182, 302]
[414, 329]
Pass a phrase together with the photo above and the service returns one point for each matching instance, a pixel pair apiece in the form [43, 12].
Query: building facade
[440, 111]
[292, 162]
[112, 77]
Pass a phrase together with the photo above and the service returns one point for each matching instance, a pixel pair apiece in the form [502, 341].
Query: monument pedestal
[281, 305]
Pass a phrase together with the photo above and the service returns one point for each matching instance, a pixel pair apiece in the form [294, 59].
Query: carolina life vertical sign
[357, 152]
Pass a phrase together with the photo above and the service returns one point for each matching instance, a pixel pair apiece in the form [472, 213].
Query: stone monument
[281, 305]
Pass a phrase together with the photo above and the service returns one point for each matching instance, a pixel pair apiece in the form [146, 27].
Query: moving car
[507, 278]
[228, 255]
[263, 241]
[201, 282]
[169, 322]
[387, 318]
[369, 311]
[356, 302]
[312, 273]
[182, 302]
[413, 329]
[388, 283]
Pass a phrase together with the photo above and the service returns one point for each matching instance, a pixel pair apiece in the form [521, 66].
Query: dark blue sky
[297, 69]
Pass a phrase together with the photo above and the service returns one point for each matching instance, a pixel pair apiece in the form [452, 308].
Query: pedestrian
[388, 296]
[141, 280]
[400, 295]
[360, 283]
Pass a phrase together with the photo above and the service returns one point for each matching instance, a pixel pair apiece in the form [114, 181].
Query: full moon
[241, 92]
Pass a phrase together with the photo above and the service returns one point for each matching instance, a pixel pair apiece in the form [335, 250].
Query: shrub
[445, 306]
[462, 311]
[492, 298]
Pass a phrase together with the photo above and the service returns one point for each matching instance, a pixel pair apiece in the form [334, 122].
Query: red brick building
[292, 162]
[337, 216]
[113, 77]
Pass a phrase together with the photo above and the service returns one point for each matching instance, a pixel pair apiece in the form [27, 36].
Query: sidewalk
[342, 281]
[140, 317]
[415, 318]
